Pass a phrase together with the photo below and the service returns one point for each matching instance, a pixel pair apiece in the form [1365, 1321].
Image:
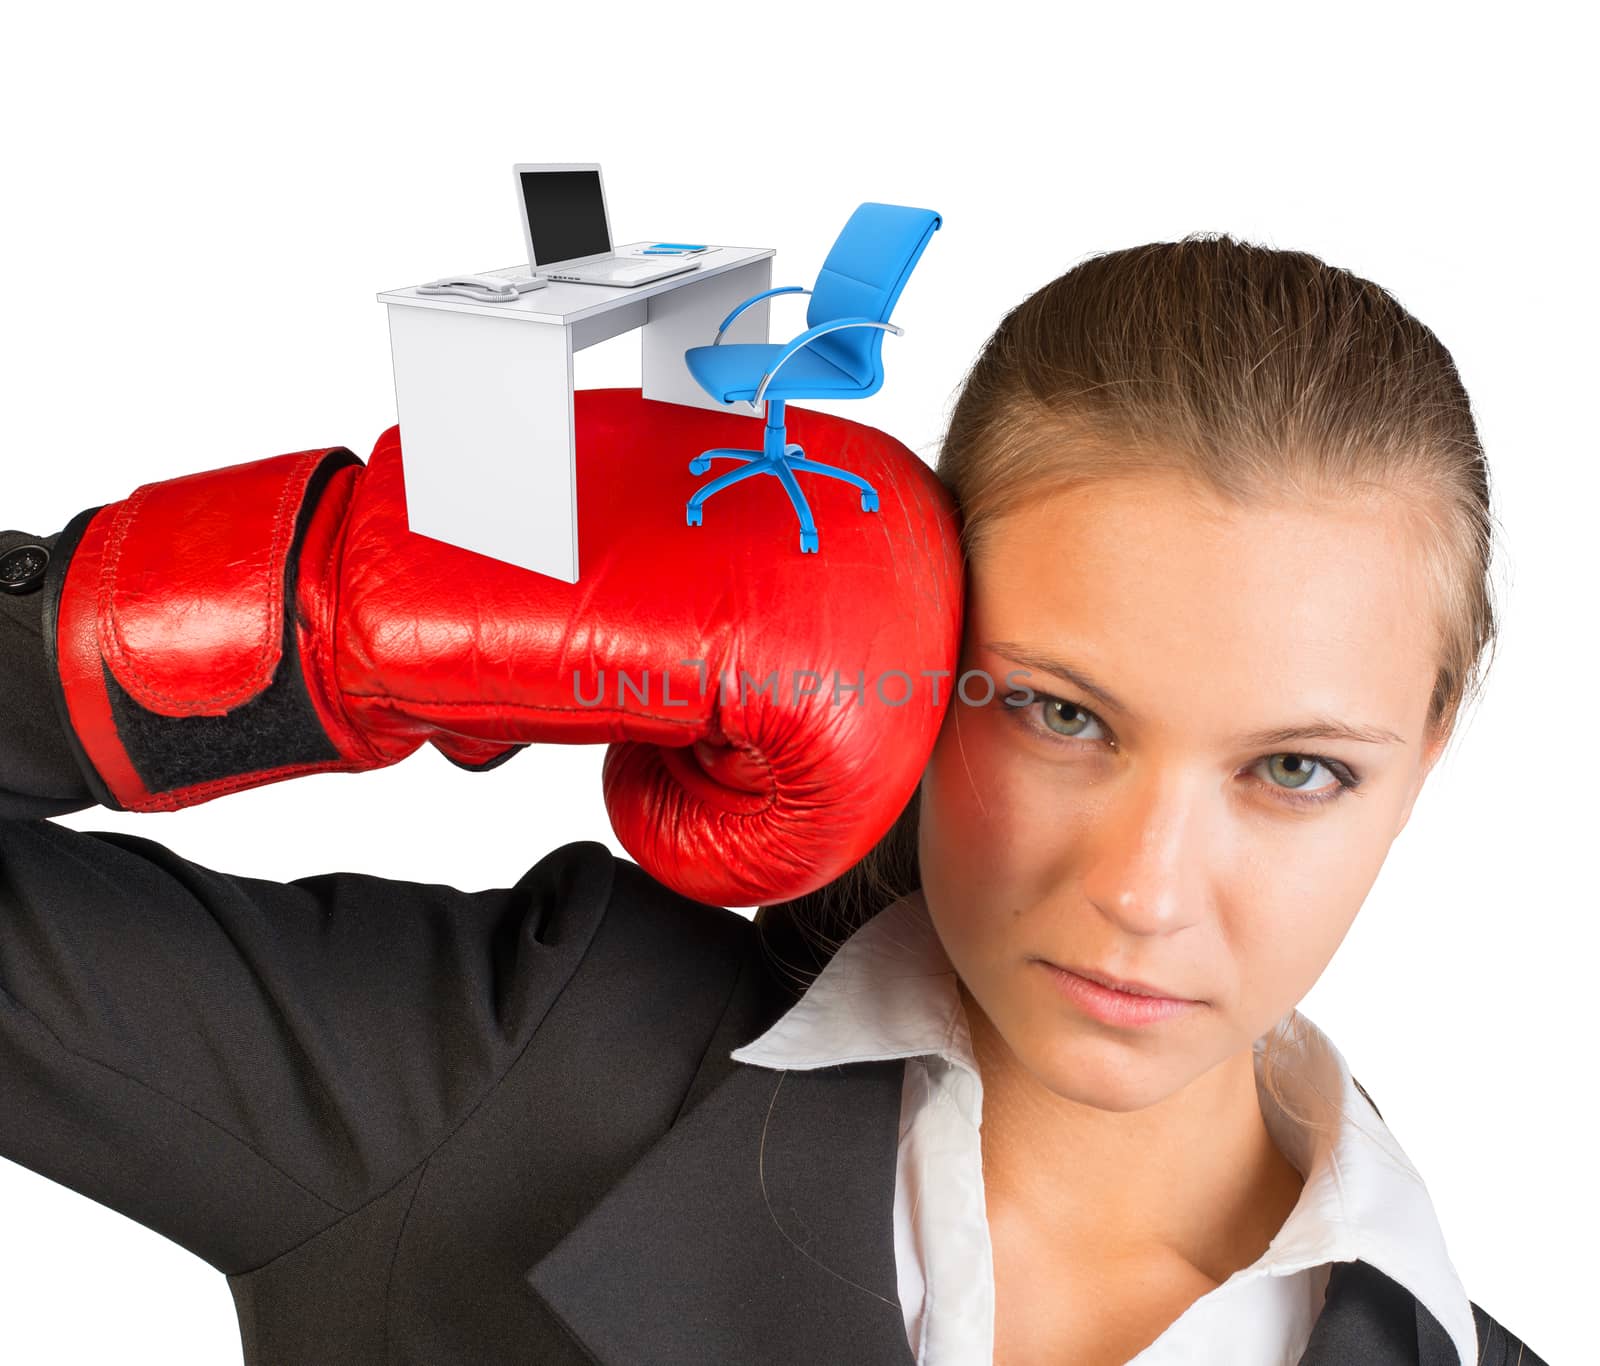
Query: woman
[1216, 499]
[586, 1119]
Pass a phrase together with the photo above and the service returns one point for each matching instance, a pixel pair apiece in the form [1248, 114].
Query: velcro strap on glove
[170, 618]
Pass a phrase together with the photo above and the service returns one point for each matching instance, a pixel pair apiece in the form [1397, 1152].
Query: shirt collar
[890, 992]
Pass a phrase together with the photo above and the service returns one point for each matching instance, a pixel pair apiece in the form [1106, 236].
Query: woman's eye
[1288, 775]
[1295, 771]
[1061, 717]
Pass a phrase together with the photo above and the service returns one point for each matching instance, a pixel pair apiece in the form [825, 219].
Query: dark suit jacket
[413, 1124]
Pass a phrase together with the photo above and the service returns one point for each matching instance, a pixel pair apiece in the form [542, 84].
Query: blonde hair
[1259, 375]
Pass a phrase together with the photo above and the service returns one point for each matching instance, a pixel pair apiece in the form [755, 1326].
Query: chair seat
[733, 371]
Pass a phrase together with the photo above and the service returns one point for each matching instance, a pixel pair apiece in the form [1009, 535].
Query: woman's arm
[239, 1063]
[233, 1062]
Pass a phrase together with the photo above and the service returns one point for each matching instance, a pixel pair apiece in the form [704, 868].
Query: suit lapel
[1369, 1317]
[760, 1227]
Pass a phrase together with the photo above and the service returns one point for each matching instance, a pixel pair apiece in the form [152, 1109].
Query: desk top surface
[564, 302]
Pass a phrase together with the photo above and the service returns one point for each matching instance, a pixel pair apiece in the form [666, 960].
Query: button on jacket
[890, 992]
[416, 1124]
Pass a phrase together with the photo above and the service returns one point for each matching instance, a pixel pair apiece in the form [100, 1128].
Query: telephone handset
[493, 289]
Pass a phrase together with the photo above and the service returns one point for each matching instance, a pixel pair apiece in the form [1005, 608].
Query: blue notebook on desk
[674, 249]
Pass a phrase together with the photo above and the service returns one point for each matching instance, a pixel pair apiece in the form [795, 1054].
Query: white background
[201, 203]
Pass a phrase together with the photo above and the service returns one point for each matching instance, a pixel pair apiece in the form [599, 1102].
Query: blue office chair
[838, 356]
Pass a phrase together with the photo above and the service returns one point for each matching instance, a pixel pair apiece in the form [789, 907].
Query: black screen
[566, 215]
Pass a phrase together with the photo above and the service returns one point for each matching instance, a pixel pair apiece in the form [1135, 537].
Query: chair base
[780, 458]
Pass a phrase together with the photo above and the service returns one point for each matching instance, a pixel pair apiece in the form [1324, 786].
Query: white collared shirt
[890, 992]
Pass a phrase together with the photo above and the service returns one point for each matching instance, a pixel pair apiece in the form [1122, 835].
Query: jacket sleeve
[233, 1062]
[38, 774]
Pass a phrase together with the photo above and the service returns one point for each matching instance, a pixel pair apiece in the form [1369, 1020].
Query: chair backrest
[862, 277]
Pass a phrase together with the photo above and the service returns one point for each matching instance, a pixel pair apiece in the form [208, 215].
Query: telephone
[492, 289]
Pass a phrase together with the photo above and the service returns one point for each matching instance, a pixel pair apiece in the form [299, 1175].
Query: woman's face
[1150, 837]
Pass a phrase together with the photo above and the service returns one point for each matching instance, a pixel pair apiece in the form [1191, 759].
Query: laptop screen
[566, 215]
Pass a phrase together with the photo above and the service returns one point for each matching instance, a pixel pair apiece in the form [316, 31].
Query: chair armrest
[755, 299]
[806, 338]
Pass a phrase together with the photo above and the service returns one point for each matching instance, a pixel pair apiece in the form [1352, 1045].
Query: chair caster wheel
[699, 465]
[869, 500]
[808, 542]
[693, 515]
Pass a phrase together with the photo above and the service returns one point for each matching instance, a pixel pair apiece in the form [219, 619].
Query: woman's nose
[1143, 855]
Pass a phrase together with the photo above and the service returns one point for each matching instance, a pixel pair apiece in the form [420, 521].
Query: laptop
[568, 233]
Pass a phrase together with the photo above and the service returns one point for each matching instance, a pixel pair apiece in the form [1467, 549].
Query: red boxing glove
[769, 713]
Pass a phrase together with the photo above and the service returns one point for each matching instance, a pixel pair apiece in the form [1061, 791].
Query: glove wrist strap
[176, 625]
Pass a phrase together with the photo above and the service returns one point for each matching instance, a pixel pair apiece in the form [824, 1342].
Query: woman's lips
[1118, 984]
[1137, 1004]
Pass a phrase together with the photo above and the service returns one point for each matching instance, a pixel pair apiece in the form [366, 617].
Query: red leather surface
[730, 799]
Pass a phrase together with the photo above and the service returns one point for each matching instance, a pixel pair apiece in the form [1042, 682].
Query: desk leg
[688, 316]
[486, 431]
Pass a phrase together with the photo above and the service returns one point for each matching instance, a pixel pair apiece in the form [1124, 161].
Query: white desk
[484, 394]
